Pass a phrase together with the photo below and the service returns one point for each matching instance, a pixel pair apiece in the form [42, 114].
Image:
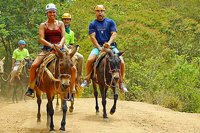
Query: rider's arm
[112, 38]
[113, 32]
[62, 42]
[94, 41]
[41, 36]
[27, 54]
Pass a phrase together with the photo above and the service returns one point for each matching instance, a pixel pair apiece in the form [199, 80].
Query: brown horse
[107, 74]
[18, 79]
[57, 78]
[77, 84]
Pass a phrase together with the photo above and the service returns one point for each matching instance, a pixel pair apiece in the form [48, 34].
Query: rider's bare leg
[32, 74]
[89, 63]
[79, 67]
[122, 73]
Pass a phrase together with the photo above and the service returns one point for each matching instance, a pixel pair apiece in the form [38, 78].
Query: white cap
[50, 7]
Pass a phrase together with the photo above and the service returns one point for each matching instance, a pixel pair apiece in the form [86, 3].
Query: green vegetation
[161, 40]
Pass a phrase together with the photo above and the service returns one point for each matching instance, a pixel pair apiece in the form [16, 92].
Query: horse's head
[113, 62]
[65, 66]
[1, 65]
[28, 63]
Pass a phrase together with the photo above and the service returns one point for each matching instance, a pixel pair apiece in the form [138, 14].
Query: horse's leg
[96, 96]
[14, 97]
[64, 109]
[23, 96]
[73, 82]
[17, 90]
[112, 111]
[48, 116]
[103, 95]
[71, 108]
[14, 93]
[57, 101]
[50, 112]
[39, 101]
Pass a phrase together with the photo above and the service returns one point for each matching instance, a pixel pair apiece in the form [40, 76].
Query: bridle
[111, 71]
[60, 75]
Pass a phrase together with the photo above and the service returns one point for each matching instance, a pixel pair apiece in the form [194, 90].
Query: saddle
[99, 59]
[43, 67]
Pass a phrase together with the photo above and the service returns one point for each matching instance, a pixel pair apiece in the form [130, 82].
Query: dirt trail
[130, 117]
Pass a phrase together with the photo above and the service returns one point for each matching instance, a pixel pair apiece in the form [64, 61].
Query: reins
[110, 71]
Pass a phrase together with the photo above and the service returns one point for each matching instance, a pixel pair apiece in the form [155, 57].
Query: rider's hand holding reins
[106, 45]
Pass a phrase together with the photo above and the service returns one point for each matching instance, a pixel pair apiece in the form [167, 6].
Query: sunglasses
[99, 10]
[66, 19]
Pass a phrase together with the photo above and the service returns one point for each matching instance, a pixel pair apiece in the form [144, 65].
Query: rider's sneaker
[122, 87]
[85, 83]
[30, 93]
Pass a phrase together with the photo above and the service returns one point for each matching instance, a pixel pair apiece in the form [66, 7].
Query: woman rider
[51, 32]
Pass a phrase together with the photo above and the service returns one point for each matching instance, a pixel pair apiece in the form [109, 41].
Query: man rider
[69, 40]
[102, 33]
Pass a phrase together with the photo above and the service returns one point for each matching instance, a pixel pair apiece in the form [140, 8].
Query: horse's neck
[57, 67]
[21, 65]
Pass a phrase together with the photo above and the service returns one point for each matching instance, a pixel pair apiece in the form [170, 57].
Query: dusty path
[130, 117]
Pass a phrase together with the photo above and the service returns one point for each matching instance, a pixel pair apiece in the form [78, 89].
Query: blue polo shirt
[102, 29]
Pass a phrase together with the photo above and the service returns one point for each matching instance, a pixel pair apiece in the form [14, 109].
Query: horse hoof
[71, 109]
[61, 131]
[97, 112]
[52, 131]
[112, 111]
[105, 116]
[105, 119]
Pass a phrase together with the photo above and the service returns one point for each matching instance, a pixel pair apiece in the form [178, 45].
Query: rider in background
[51, 32]
[102, 33]
[69, 40]
[19, 54]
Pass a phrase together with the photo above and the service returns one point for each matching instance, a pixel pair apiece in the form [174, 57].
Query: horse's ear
[73, 51]
[27, 60]
[3, 59]
[59, 52]
[120, 53]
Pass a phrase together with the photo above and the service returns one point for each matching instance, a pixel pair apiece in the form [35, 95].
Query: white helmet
[49, 7]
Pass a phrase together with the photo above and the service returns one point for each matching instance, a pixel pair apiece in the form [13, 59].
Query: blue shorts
[95, 51]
